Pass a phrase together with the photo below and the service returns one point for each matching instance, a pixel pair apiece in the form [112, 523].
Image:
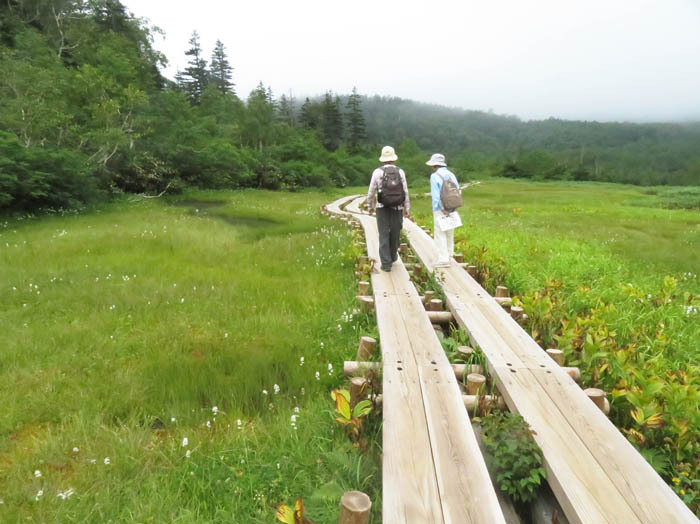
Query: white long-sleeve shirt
[376, 182]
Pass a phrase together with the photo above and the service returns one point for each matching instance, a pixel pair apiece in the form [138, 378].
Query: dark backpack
[450, 194]
[391, 192]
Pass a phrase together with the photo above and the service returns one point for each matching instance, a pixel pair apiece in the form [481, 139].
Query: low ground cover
[172, 360]
[609, 276]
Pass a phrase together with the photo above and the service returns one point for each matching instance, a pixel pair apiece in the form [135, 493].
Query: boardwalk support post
[358, 386]
[501, 291]
[599, 399]
[352, 368]
[474, 382]
[366, 348]
[557, 355]
[363, 287]
[354, 508]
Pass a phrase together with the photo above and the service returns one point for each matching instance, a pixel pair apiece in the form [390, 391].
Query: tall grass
[132, 327]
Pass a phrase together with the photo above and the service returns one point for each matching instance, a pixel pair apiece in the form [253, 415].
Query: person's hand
[407, 215]
[371, 211]
[445, 212]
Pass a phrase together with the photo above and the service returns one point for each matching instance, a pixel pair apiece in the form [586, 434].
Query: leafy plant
[286, 514]
[351, 417]
[514, 454]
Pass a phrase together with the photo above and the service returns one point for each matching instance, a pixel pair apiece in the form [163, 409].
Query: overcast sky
[606, 60]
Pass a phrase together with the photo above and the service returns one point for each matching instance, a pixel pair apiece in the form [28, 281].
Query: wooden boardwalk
[595, 473]
[433, 471]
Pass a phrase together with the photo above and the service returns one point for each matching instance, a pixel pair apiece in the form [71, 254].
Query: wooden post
[440, 317]
[474, 382]
[363, 287]
[366, 348]
[435, 304]
[464, 370]
[363, 260]
[471, 400]
[501, 291]
[429, 295]
[598, 398]
[557, 355]
[464, 352]
[354, 508]
[472, 271]
[358, 385]
[459, 258]
[352, 368]
[366, 303]
[516, 312]
[403, 248]
[574, 373]
[504, 301]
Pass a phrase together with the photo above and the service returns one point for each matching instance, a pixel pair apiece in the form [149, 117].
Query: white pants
[444, 240]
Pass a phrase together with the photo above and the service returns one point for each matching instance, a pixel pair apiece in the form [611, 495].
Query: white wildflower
[106, 461]
[37, 473]
[301, 361]
[75, 450]
[187, 454]
[185, 442]
[318, 376]
[215, 410]
[276, 388]
[264, 392]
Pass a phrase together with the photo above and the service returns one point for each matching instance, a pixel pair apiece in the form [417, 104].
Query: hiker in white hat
[444, 190]
[388, 184]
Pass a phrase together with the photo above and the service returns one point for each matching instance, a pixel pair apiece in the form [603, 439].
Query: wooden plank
[580, 484]
[465, 487]
[651, 498]
[633, 485]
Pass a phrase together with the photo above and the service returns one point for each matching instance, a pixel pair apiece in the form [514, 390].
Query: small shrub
[516, 457]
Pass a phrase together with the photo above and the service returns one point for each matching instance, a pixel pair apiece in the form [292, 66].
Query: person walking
[388, 185]
[444, 240]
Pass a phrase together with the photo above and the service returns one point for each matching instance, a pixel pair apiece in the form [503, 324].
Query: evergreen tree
[285, 111]
[355, 120]
[306, 116]
[196, 76]
[220, 71]
[332, 122]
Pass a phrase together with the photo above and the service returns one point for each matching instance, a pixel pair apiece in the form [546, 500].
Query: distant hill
[648, 154]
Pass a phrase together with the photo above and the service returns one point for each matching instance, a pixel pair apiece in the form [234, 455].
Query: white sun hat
[388, 154]
[436, 160]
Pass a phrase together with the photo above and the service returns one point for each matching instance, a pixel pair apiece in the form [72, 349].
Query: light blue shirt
[436, 181]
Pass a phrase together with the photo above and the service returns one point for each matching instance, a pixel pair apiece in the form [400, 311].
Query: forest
[86, 114]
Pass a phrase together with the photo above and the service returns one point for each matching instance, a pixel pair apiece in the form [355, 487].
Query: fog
[635, 60]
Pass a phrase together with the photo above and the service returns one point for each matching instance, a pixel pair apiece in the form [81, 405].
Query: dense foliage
[87, 112]
[83, 96]
[645, 154]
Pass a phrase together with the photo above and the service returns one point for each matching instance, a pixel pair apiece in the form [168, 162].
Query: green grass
[125, 326]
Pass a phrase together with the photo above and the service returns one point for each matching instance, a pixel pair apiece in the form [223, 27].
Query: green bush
[514, 454]
[37, 177]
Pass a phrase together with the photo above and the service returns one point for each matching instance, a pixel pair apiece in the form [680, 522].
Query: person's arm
[372, 191]
[407, 200]
[435, 186]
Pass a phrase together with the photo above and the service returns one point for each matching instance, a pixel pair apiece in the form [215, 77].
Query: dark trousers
[389, 223]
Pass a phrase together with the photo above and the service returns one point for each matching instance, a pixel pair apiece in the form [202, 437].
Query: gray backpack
[450, 195]
[391, 187]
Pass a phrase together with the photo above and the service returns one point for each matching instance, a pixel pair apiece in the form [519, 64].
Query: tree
[355, 120]
[332, 123]
[196, 76]
[308, 117]
[285, 110]
[220, 71]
